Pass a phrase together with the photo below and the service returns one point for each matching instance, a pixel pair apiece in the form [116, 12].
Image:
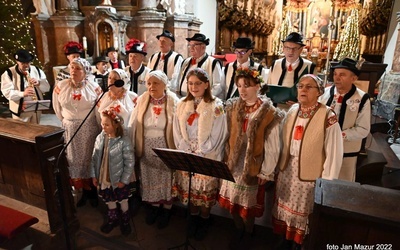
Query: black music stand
[192, 163]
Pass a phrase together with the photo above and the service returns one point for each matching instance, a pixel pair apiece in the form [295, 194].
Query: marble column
[149, 23]
[44, 49]
[67, 28]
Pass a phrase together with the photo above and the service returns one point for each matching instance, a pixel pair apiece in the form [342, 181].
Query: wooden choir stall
[28, 171]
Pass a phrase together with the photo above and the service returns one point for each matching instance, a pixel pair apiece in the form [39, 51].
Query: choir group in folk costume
[199, 106]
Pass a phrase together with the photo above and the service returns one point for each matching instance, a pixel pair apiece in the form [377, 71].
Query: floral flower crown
[72, 44]
[250, 72]
[113, 114]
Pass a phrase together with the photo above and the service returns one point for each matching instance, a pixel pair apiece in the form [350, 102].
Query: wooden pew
[28, 171]
[350, 214]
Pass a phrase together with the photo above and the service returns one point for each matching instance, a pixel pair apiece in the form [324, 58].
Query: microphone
[118, 83]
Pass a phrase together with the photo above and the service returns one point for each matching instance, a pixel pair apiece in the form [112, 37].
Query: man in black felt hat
[353, 109]
[166, 59]
[23, 82]
[137, 72]
[243, 48]
[114, 62]
[102, 71]
[71, 50]
[286, 71]
[200, 59]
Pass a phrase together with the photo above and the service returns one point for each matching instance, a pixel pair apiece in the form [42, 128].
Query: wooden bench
[13, 222]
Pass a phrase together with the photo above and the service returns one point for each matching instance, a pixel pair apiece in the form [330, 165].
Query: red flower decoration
[157, 110]
[135, 42]
[71, 44]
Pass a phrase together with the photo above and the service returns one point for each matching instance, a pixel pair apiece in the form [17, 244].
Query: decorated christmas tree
[14, 30]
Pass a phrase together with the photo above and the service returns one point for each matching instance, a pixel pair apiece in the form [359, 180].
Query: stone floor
[143, 236]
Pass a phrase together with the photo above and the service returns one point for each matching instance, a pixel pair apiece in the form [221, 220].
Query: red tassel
[298, 132]
[244, 127]
[191, 118]
[340, 99]
[193, 62]
[290, 67]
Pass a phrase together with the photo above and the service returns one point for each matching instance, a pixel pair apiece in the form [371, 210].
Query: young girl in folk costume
[111, 169]
[251, 153]
[200, 128]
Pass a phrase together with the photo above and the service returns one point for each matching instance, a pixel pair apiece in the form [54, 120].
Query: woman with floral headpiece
[199, 128]
[73, 98]
[111, 169]
[251, 153]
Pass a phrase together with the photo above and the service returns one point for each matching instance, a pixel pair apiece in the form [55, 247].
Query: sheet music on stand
[36, 105]
[180, 160]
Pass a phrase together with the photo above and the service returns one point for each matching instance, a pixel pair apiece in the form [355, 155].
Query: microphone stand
[60, 189]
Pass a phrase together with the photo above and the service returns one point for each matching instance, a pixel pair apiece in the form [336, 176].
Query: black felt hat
[23, 56]
[294, 37]
[243, 43]
[347, 63]
[100, 59]
[200, 38]
[110, 49]
[167, 34]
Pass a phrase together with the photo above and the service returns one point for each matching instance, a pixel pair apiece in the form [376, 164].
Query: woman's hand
[262, 181]
[95, 182]
[120, 185]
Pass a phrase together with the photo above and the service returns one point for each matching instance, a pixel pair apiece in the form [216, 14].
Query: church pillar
[44, 36]
[67, 28]
[396, 61]
[149, 23]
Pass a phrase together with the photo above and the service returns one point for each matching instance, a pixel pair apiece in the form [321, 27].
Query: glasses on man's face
[195, 83]
[291, 48]
[306, 87]
[194, 45]
[241, 52]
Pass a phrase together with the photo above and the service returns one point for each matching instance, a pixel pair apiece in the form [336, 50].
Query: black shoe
[125, 227]
[84, 198]
[202, 228]
[112, 221]
[236, 238]
[193, 224]
[151, 215]
[163, 219]
[93, 197]
[108, 227]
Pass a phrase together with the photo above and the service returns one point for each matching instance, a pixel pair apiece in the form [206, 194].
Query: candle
[84, 42]
[116, 42]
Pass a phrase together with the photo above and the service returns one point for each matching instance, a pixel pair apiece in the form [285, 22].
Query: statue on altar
[173, 7]
[44, 7]
[106, 3]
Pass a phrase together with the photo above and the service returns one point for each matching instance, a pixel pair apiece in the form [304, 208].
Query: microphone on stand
[118, 84]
